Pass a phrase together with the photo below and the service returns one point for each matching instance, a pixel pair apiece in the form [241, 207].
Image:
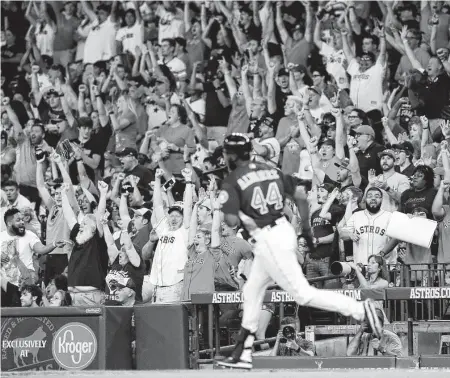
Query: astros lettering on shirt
[371, 229]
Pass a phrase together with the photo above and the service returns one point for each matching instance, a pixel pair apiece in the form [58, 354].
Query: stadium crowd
[113, 117]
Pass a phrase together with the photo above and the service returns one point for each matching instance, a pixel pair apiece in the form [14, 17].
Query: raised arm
[341, 138]
[409, 53]
[206, 30]
[215, 229]
[40, 184]
[188, 198]
[285, 38]
[246, 90]
[309, 21]
[346, 46]
[193, 224]
[130, 250]
[86, 6]
[47, 18]
[113, 251]
[353, 164]
[157, 197]
[271, 102]
[382, 56]
[101, 209]
[68, 212]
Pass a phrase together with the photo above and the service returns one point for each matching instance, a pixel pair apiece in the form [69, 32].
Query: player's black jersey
[258, 190]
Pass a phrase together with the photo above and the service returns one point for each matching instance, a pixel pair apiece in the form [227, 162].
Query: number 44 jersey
[258, 190]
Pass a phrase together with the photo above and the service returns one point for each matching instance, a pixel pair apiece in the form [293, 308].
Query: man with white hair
[88, 261]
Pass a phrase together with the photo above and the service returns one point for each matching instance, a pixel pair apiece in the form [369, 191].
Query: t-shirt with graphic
[19, 250]
[335, 65]
[90, 148]
[411, 199]
[322, 227]
[170, 256]
[366, 89]
[131, 37]
[119, 272]
[199, 271]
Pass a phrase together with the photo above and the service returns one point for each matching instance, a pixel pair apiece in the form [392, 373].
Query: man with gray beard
[88, 261]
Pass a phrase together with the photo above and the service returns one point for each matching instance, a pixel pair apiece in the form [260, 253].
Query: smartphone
[283, 340]
[169, 184]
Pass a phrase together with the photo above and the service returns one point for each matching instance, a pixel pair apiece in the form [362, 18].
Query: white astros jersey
[371, 229]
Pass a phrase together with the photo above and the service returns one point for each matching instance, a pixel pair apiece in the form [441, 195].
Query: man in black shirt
[88, 262]
[87, 152]
[129, 159]
[368, 150]
[318, 261]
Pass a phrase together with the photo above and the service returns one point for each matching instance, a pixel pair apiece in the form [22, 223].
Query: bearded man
[88, 261]
[367, 228]
[17, 246]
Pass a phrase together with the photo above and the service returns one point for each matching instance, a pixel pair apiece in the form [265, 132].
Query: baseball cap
[142, 211]
[57, 119]
[387, 152]
[344, 163]
[327, 142]
[405, 146]
[177, 206]
[85, 122]
[206, 203]
[316, 90]
[53, 92]
[328, 187]
[121, 282]
[282, 72]
[299, 68]
[365, 130]
[127, 151]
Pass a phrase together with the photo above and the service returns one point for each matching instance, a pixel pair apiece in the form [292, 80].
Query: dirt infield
[238, 374]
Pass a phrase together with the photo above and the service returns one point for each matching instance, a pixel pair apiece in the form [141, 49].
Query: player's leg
[254, 291]
[282, 265]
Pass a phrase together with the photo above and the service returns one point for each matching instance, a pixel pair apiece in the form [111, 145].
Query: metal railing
[436, 299]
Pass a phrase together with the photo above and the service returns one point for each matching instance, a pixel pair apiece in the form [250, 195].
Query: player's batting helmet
[238, 144]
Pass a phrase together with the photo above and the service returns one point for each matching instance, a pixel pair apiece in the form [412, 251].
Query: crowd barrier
[436, 299]
[167, 336]
[66, 338]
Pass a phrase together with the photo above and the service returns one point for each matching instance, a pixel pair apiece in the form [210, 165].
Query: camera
[126, 189]
[40, 154]
[342, 268]
[288, 334]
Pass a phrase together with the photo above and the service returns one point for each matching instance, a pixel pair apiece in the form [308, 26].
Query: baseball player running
[255, 192]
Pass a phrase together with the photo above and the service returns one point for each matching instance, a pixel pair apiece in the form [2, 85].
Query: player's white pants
[275, 260]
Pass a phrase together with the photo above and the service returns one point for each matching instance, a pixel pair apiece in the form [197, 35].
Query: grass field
[239, 374]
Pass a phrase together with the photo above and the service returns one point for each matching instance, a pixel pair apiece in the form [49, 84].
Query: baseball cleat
[372, 318]
[232, 363]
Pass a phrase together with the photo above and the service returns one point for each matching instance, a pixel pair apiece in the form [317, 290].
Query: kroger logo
[74, 346]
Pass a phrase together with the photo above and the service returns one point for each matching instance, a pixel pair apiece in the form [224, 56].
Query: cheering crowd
[114, 115]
